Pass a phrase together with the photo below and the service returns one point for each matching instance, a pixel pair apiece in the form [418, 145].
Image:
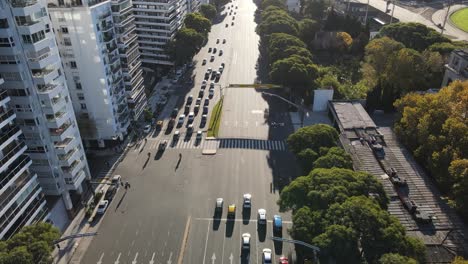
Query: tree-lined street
[167, 214]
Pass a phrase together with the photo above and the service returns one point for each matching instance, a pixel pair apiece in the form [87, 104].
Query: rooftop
[352, 115]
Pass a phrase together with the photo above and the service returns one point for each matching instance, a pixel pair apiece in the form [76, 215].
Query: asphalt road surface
[166, 216]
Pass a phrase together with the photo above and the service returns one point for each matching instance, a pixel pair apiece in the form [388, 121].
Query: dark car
[187, 109]
[110, 193]
[201, 93]
[174, 112]
[205, 110]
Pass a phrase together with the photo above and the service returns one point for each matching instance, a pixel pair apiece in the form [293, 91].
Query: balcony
[11, 134]
[65, 146]
[22, 3]
[107, 37]
[61, 133]
[67, 159]
[16, 168]
[129, 38]
[74, 168]
[48, 89]
[4, 98]
[44, 76]
[77, 180]
[57, 120]
[104, 27]
[13, 154]
[41, 59]
[7, 117]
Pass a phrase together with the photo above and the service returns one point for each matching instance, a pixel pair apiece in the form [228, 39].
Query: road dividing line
[206, 241]
[118, 259]
[184, 240]
[100, 259]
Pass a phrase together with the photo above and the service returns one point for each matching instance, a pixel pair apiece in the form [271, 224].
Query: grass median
[460, 19]
[215, 119]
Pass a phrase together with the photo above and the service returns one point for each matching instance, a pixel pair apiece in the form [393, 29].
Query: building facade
[34, 80]
[21, 198]
[125, 28]
[157, 22]
[88, 43]
[457, 68]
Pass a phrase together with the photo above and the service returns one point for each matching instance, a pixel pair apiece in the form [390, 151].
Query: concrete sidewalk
[72, 250]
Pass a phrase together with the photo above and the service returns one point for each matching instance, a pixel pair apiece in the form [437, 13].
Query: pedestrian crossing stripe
[231, 143]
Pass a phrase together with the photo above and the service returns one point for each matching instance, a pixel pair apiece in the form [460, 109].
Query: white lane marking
[118, 259]
[169, 261]
[100, 259]
[213, 258]
[152, 259]
[231, 258]
[222, 255]
[237, 220]
[206, 241]
[135, 259]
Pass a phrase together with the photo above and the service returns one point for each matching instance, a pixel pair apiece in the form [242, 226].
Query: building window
[9, 59]
[38, 36]
[3, 23]
[83, 106]
[78, 86]
[73, 64]
[64, 30]
[67, 42]
[47, 28]
[80, 96]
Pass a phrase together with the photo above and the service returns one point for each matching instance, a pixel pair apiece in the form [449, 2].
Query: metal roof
[352, 115]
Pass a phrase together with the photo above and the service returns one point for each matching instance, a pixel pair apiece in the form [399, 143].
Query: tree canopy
[279, 42]
[434, 128]
[33, 244]
[185, 45]
[275, 20]
[413, 35]
[315, 9]
[208, 10]
[313, 137]
[198, 22]
[335, 158]
[307, 29]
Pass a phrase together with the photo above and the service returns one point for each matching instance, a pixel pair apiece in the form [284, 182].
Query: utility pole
[367, 11]
[393, 10]
[446, 17]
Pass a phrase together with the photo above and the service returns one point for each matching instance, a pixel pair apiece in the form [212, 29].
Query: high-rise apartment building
[99, 50]
[157, 22]
[32, 70]
[21, 199]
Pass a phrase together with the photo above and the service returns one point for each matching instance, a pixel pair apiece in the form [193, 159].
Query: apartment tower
[89, 44]
[34, 81]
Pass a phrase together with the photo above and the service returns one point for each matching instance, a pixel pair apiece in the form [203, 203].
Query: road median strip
[215, 119]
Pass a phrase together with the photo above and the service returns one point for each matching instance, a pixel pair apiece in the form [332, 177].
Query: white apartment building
[21, 199]
[32, 70]
[157, 22]
[87, 41]
[125, 28]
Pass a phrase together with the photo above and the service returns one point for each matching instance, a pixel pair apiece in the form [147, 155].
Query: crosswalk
[107, 170]
[227, 143]
[259, 144]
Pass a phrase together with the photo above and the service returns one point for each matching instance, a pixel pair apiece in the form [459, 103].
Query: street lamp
[300, 108]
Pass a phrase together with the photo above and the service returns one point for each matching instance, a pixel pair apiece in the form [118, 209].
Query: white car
[102, 206]
[209, 70]
[181, 119]
[147, 129]
[246, 241]
[191, 116]
[212, 85]
[199, 135]
[266, 256]
[219, 204]
[262, 216]
[247, 200]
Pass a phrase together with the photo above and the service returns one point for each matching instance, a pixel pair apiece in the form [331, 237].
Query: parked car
[159, 125]
[189, 99]
[211, 93]
[174, 112]
[191, 116]
[205, 110]
[102, 206]
[116, 180]
[196, 109]
[147, 129]
[110, 193]
[203, 119]
[181, 119]
[162, 145]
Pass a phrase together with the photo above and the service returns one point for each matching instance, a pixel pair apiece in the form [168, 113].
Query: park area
[460, 19]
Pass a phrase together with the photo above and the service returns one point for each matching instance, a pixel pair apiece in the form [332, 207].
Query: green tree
[277, 21]
[313, 137]
[279, 42]
[33, 244]
[315, 9]
[306, 158]
[185, 45]
[413, 35]
[307, 29]
[293, 72]
[148, 114]
[335, 158]
[459, 260]
[277, 3]
[306, 224]
[208, 10]
[338, 242]
[458, 171]
[393, 258]
[198, 22]
[301, 52]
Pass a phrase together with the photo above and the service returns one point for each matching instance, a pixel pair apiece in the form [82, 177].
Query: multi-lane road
[167, 214]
